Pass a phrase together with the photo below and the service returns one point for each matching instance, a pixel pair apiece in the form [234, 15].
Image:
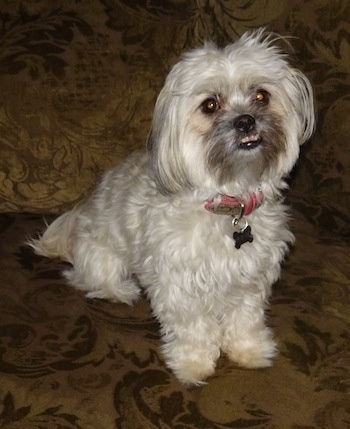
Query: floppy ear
[303, 101]
[166, 143]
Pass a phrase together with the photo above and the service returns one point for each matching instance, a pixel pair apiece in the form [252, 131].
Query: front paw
[190, 366]
[254, 351]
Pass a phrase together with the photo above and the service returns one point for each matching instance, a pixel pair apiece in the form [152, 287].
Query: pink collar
[231, 206]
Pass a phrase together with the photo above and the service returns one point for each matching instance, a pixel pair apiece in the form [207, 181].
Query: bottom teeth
[250, 142]
[250, 139]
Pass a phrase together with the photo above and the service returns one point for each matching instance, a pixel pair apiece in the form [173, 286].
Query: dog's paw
[192, 372]
[191, 364]
[253, 352]
[125, 291]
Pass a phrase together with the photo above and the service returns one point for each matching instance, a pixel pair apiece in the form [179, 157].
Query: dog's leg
[101, 273]
[192, 355]
[191, 341]
[246, 339]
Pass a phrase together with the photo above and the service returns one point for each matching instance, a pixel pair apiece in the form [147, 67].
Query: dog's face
[230, 118]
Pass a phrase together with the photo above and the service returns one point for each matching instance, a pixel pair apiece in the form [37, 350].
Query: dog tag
[243, 235]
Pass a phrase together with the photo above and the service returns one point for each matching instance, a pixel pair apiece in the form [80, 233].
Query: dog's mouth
[250, 142]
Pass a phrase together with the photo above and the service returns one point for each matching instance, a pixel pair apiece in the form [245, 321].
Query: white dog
[199, 220]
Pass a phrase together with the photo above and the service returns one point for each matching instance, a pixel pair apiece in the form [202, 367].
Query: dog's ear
[298, 86]
[165, 142]
[303, 101]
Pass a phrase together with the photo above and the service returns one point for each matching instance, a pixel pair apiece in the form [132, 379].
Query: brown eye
[210, 105]
[262, 96]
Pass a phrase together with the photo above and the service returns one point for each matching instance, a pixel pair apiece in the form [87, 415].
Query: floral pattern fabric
[70, 362]
[78, 82]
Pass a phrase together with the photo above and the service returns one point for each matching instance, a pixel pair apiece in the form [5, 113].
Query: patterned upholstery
[78, 81]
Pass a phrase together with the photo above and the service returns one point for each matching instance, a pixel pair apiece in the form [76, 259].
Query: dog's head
[231, 117]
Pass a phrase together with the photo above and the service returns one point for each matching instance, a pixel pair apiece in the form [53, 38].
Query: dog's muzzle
[245, 124]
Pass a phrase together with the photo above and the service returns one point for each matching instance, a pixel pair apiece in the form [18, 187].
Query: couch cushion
[70, 362]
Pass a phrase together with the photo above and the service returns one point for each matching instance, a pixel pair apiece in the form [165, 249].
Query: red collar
[231, 206]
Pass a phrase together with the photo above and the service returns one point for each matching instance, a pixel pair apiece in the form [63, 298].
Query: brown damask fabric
[68, 362]
[78, 81]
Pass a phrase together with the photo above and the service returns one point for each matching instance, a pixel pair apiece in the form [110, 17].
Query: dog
[198, 221]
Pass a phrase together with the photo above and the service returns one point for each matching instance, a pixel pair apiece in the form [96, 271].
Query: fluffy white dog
[198, 221]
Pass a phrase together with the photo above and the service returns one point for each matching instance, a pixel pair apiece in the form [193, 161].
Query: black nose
[244, 123]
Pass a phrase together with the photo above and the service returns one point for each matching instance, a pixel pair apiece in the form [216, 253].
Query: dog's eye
[210, 105]
[262, 96]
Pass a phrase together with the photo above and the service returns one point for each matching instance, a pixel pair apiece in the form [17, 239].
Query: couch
[78, 81]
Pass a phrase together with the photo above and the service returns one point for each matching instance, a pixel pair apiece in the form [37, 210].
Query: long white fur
[147, 217]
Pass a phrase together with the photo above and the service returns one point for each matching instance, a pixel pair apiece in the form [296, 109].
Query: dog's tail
[55, 242]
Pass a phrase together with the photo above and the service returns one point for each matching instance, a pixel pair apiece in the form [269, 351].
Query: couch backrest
[78, 82]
